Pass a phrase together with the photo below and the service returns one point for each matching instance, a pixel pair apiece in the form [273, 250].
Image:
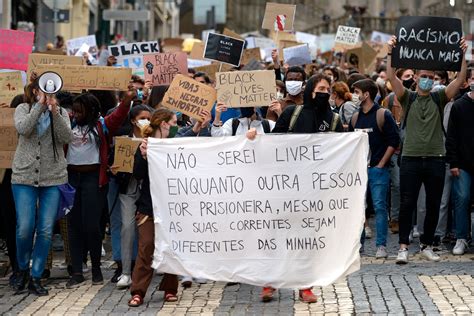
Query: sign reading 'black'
[430, 43]
[224, 49]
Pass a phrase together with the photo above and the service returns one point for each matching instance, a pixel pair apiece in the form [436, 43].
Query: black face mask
[408, 83]
[247, 112]
[321, 100]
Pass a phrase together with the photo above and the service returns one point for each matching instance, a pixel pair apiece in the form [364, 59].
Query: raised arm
[453, 88]
[397, 85]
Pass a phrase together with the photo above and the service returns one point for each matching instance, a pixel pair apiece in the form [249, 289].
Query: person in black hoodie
[163, 124]
[315, 115]
[460, 156]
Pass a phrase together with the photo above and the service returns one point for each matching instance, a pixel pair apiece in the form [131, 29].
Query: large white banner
[283, 210]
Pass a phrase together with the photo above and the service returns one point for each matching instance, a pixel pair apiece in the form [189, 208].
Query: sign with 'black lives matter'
[430, 43]
[224, 49]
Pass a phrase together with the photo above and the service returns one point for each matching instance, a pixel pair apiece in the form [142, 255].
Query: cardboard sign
[7, 116]
[8, 137]
[193, 63]
[197, 52]
[6, 158]
[172, 45]
[249, 54]
[43, 59]
[125, 148]
[230, 33]
[10, 86]
[90, 78]
[361, 57]
[15, 46]
[253, 65]
[346, 37]
[297, 55]
[75, 44]
[285, 44]
[209, 70]
[246, 88]
[281, 15]
[224, 49]
[131, 55]
[189, 97]
[430, 43]
[161, 68]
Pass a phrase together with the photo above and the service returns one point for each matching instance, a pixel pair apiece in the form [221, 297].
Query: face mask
[408, 83]
[356, 99]
[280, 95]
[142, 123]
[172, 131]
[247, 112]
[321, 100]
[425, 84]
[293, 87]
[332, 103]
[471, 86]
[436, 83]
[380, 81]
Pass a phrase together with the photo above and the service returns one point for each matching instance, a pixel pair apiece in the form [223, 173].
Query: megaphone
[50, 82]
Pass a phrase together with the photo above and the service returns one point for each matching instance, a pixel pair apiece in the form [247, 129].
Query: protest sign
[189, 97]
[346, 37]
[379, 37]
[311, 40]
[431, 43]
[131, 55]
[6, 117]
[246, 88]
[249, 54]
[75, 44]
[90, 78]
[230, 33]
[44, 59]
[210, 70]
[326, 42]
[8, 137]
[161, 68]
[285, 211]
[172, 45]
[261, 42]
[125, 148]
[297, 55]
[224, 49]
[279, 17]
[15, 46]
[197, 52]
[193, 63]
[285, 44]
[253, 65]
[6, 158]
[361, 57]
[10, 86]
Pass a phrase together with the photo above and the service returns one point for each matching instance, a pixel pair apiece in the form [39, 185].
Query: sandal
[169, 297]
[136, 301]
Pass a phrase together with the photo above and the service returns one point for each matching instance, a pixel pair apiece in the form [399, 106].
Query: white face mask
[471, 86]
[142, 123]
[280, 95]
[436, 83]
[356, 100]
[380, 81]
[332, 102]
[293, 87]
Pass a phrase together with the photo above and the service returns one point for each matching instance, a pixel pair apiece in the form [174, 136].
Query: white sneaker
[85, 269]
[103, 253]
[428, 254]
[187, 281]
[381, 252]
[368, 232]
[124, 281]
[460, 248]
[416, 233]
[402, 257]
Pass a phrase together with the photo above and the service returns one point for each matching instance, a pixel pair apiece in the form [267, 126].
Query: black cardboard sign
[429, 43]
[224, 49]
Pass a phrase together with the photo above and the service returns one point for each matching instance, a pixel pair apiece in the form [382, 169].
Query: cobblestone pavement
[379, 288]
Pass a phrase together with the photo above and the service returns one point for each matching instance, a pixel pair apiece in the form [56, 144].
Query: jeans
[128, 234]
[415, 171]
[84, 219]
[379, 184]
[32, 219]
[115, 219]
[394, 188]
[461, 199]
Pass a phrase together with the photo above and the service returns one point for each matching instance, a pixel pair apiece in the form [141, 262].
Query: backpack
[236, 122]
[296, 113]
[380, 117]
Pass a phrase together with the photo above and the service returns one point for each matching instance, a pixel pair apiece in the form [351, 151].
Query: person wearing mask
[87, 158]
[294, 81]
[38, 169]
[129, 191]
[315, 115]
[163, 124]
[460, 156]
[423, 152]
[341, 102]
[441, 79]
[383, 140]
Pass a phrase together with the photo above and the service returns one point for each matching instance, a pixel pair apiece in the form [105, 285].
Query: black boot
[117, 273]
[21, 280]
[97, 277]
[35, 287]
